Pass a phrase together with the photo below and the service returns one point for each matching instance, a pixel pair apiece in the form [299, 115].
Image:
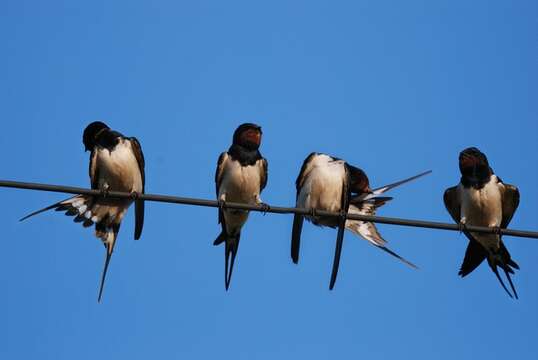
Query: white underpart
[322, 188]
[483, 207]
[119, 168]
[239, 184]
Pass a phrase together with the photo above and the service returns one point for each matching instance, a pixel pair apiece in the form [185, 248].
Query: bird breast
[322, 189]
[483, 207]
[119, 168]
[241, 183]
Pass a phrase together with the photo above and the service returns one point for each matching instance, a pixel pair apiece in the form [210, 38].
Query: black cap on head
[91, 132]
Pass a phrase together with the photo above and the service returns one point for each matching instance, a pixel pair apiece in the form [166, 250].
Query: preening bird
[116, 164]
[482, 199]
[331, 184]
[241, 176]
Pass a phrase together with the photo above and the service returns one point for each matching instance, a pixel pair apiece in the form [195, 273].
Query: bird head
[248, 136]
[91, 133]
[474, 165]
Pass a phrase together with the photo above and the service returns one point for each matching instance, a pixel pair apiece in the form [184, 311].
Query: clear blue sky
[394, 87]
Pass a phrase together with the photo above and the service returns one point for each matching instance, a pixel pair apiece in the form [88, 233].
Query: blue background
[393, 87]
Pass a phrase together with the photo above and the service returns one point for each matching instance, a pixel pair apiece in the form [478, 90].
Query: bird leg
[497, 230]
[265, 208]
[105, 191]
[343, 215]
[135, 195]
[462, 225]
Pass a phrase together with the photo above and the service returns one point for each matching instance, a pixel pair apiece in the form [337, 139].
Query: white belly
[119, 168]
[483, 207]
[322, 189]
[240, 183]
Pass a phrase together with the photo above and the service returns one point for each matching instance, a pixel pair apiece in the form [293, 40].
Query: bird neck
[243, 155]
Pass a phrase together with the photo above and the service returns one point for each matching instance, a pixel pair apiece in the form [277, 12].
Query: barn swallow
[241, 176]
[116, 164]
[482, 199]
[331, 184]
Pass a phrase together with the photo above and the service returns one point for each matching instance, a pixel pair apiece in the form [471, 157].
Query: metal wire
[272, 209]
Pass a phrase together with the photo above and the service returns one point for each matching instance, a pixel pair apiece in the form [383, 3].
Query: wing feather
[510, 202]
[139, 204]
[218, 179]
[304, 172]
[263, 174]
[453, 203]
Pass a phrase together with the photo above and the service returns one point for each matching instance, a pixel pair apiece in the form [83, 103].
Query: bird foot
[343, 216]
[497, 230]
[313, 213]
[222, 204]
[265, 208]
[105, 192]
[462, 227]
[135, 195]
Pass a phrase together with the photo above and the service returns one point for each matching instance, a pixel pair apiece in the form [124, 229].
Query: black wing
[303, 172]
[218, 179]
[218, 172]
[297, 218]
[264, 174]
[344, 205]
[359, 182]
[139, 204]
[453, 203]
[93, 171]
[296, 237]
[474, 255]
[510, 202]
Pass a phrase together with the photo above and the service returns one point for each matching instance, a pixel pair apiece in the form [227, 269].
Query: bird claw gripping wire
[343, 215]
[265, 208]
[462, 227]
[105, 192]
[135, 195]
[497, 230]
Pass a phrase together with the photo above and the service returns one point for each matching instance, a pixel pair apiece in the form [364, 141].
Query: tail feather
[108, 235]
[103, 276]
[402, 259]
[106, 216]
[505, 262]
[507, 273]
[388, 187]
[80, 206]
[496, 272]
[376, 192]
[230, 252]
[59, 206]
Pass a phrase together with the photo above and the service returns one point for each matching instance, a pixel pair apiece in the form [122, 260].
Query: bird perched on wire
[240, 177]
[482, 199]
[331, 184]
[116, 164]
